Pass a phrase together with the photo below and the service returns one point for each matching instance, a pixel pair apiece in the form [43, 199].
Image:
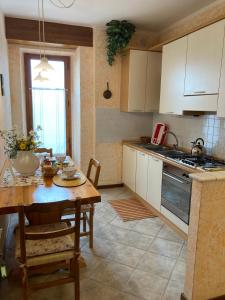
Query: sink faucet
[175, 146]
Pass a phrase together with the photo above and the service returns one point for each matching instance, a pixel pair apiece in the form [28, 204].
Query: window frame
[28, 92]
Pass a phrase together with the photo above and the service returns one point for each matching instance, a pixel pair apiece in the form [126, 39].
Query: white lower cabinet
[142, 174]
[129, 167]
[154, 182]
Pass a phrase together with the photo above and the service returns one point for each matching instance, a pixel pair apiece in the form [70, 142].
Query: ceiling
[152, 15]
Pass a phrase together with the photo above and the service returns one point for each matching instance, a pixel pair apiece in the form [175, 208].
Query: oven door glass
[176, 195]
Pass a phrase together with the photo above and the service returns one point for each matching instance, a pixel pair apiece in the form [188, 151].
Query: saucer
[74, 177]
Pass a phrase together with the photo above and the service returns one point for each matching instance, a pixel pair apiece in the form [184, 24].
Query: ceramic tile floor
[130, 261]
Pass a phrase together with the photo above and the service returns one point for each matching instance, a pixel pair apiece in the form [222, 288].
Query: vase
[26, 163]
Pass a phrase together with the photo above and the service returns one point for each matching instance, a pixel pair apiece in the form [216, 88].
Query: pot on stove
[198, 148]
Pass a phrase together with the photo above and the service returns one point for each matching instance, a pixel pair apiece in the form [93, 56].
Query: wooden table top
[13, 197]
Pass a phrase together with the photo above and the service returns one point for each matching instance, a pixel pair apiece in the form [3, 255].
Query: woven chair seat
[48, 250]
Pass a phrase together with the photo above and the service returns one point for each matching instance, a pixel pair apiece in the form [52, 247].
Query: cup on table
[69, 172]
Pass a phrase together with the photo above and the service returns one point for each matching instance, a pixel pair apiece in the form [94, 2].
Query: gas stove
[204, 162]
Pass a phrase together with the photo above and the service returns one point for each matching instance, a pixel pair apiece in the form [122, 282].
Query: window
[48, 102]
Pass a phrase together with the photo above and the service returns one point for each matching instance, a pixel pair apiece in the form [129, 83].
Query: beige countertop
[137, 146]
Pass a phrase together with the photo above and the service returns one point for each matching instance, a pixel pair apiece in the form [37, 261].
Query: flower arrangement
[16, 142]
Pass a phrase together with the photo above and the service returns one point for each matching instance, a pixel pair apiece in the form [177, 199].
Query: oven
[176, 191]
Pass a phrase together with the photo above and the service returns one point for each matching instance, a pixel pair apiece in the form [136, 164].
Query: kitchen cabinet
[204, 57]
[142, 174]
[129, 167]
[173, 76]
[221, 99]
[140, 81]
[155, 166]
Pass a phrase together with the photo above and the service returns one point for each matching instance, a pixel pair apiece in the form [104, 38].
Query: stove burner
[205, 162]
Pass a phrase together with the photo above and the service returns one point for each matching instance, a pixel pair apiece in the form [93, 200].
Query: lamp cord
[43, 25]
[39, 27]
[41, 20]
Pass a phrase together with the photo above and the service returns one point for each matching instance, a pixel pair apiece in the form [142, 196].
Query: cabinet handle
[137, 110]
[172, 177]
[155, 159]
[142, 154]
[200, 92]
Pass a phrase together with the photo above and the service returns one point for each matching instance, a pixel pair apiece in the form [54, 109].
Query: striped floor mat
[131, 209]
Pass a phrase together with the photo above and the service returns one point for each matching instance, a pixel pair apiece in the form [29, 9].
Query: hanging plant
[119, 34]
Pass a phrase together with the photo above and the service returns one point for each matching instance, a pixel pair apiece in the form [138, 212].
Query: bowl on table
[60, 157]
[69, 172]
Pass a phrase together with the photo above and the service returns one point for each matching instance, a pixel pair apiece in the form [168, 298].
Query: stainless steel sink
[163, 150]
[156, 148]
[173, 153]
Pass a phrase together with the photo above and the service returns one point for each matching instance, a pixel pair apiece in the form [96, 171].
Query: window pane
[49, 107]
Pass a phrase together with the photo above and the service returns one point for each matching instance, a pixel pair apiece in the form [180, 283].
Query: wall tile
[188, 128]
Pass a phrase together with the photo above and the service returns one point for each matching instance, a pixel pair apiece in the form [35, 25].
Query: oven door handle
[174, 178]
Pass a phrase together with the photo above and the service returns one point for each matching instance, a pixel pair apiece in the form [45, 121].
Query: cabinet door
[142, 174]
[129, 167]
[153, 81]
[154, 182]
[173, 76]
[137, 80]
[204, 56]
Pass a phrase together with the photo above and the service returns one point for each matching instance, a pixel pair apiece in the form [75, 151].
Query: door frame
[28, 92]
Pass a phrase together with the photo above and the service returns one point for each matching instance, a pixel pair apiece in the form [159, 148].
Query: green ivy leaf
[119, 34]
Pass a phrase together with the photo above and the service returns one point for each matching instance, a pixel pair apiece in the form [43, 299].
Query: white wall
[5, 101]
[5, 108]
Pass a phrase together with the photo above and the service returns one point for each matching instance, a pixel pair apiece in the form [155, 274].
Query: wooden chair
[44, 150]
[87, 211]
[50, 246]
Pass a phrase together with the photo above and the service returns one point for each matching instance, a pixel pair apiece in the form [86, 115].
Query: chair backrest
[54, 211]
[96, 164]
[44, 150]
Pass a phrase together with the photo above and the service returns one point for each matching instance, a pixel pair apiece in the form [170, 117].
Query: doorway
[48, 103]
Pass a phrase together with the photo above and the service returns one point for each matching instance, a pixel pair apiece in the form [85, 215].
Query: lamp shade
[41, 78]
[44, 65]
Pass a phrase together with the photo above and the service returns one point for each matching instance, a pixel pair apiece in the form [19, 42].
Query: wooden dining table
[13, 197]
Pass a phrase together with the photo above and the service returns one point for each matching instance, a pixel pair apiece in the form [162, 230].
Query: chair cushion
[47, 246]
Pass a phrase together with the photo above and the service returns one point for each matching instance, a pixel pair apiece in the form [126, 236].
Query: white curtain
[49, 111]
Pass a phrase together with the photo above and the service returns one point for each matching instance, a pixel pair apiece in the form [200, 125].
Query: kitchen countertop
[137, 146]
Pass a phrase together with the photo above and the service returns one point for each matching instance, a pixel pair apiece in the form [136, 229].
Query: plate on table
[74, 177]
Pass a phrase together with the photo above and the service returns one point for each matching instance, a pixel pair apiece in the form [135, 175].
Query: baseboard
[218, 298]
[183, 297]
[110, 186]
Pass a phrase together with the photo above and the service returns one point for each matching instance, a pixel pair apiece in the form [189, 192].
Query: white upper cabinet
[204, 56]
[140, 81]
[173, 77]
[137, 80]
[142, 174]
[153, 81]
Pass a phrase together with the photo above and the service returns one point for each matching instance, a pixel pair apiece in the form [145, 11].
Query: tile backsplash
[112, 125]
[188, 128]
